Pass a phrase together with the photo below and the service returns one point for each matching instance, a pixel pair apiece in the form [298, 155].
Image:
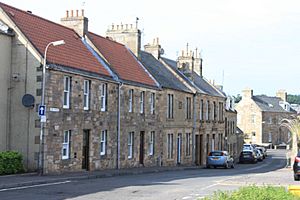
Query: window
[188, 108]
[270, 137]
[103, 142]
[66, 145]
[188, 144]
[252, 118]
[220, 111]
[201, 110]
[152, 103]
[170, 146]
[130, 93]
[130, 144]
[214, 111]
[103, 97]
[67, 89]
[86, 95]
[207, 111]
[142, 97]
[151, 143]
[170, 106]
[270, 120]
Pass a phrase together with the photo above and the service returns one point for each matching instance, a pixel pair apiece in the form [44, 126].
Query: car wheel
[232, 166]
[207, 166]
[296, 178]
[215, 167]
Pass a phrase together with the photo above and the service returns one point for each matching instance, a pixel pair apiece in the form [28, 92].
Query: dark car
[219, 159]
[296, 167]
[248, 156]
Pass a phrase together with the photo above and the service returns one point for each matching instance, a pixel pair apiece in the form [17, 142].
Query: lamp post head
[59, 42]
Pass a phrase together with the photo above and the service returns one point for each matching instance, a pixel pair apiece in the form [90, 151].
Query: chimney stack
[282, 94]
[78, 23]
[127, 35]
[154, 48]
[247, 93]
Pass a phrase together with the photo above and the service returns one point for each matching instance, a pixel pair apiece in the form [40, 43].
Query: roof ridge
[34, 15]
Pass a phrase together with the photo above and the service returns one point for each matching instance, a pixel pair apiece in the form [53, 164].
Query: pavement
[30, 179]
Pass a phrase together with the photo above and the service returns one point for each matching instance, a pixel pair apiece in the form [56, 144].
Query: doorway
[179, 141]
[197, 150]
[86, 150]
[142, 144]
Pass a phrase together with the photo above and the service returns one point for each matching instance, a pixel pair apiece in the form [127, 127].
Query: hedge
[10, 162]
[255, 193]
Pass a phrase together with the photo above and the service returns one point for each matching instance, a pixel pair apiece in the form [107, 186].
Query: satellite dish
[28, 100]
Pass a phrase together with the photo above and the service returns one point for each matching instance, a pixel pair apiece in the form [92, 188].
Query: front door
[142, 142]
[179, 148]
[201, 150]
[85, 149]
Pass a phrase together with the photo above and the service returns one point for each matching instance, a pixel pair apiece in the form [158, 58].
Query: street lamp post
[43, 117]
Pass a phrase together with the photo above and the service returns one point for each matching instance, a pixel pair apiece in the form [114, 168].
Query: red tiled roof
[41, 32]
[121, 60]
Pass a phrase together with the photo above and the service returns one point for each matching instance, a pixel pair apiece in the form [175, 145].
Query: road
[187, 184]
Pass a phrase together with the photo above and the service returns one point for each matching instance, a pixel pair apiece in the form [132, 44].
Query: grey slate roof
[201, 84]
[269, 104]
[165, 78]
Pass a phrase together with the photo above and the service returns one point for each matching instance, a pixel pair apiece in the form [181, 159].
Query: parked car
[259, 154]
[248, 156]
[248, 147]
[219, 159]
[263, 151]
[296, 167]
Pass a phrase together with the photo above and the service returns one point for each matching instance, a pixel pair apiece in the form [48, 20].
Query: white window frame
[130, 93]
[103, 139]
[67, 89]
[170, 145]
[270, 120]
[142, 102]
[151, 143]
[66, 145]
[253, 118]
[130, 144]
[103, 97]
[188, 108]
[152, 103]
[86, 95]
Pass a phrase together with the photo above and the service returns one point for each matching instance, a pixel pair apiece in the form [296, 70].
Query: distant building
[259, 117]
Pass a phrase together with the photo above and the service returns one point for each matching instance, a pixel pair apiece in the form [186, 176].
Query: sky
[244, 43]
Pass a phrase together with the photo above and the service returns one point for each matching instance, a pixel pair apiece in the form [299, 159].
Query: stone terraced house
[109, 105]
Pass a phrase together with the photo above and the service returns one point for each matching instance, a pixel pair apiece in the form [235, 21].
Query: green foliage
[255, 193]
[10, 162]
[293, 99]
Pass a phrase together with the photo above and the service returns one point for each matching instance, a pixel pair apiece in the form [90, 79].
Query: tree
[293, 99]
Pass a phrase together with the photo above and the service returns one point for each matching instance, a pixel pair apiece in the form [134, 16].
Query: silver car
[219, 159]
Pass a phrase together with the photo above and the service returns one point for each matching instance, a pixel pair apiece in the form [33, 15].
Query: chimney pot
[76, 13]
[82, 12]
[126, 26]
[72, 13]
[67, 14]
[112, 27]
[131, 26]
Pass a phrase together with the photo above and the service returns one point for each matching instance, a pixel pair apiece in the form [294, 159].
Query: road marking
[33, 186]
